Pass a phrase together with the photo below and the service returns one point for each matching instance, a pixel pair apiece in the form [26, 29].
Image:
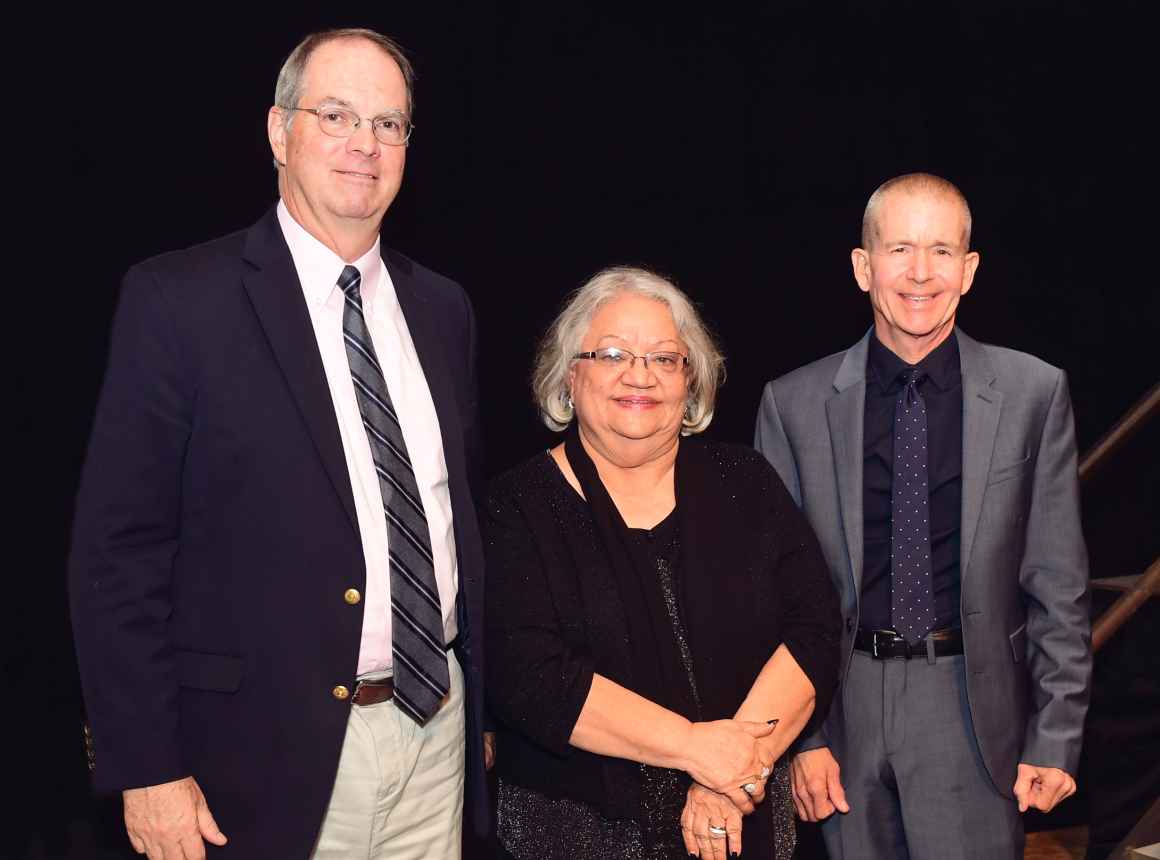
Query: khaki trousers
[399, 789]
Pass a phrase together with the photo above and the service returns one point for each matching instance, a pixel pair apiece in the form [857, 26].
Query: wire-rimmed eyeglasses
[392, 128]
[611, 357]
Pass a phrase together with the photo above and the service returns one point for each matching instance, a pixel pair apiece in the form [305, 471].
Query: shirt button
[341, 693]
[849, 625]
[352, 596]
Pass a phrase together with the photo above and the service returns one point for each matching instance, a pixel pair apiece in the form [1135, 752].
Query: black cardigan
[751, 578]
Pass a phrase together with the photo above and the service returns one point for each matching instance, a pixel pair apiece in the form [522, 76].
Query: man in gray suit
[940, 476]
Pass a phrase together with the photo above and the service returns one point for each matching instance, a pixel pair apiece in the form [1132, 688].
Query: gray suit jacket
[1024, 604]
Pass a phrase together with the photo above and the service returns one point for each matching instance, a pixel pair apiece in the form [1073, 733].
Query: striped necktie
[420, 658]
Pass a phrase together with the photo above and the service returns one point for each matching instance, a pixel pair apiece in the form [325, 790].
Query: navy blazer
[215, 536]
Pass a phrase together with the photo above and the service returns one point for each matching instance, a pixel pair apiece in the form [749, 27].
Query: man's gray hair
[288, 90]
[912, 183]
[706, 370]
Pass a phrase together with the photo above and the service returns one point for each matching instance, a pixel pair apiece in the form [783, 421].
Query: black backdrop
[729, 146]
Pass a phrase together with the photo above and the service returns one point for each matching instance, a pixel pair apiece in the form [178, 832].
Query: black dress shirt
[942, 389]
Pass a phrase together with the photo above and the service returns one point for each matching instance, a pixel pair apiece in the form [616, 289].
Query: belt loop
[930, 649]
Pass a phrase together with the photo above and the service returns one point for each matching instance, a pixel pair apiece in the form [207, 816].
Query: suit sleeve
[771, 440]
[474, 456]
[1054, 578]
[125, 537]
[473, 431]
[812, 624]
[537, 684]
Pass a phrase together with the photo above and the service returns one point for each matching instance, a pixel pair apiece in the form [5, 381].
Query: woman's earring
[567, 398]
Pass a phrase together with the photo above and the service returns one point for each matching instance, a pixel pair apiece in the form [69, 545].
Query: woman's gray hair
[706, 371]
[288, 90]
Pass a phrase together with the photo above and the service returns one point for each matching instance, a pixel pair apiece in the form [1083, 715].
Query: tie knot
[349, 281]
[910, 395]
[912, 378]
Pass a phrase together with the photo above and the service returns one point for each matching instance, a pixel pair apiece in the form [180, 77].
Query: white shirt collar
[319, 267]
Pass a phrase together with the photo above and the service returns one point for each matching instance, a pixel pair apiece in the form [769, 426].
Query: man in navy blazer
[232, 570]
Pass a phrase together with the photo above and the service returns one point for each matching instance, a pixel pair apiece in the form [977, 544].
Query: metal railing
[1141, 412]
[1125, 606]
[1144, 586]
[1138, 589]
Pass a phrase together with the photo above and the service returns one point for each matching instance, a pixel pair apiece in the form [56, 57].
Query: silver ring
[717, 832]
[765, 772]
[750, 788]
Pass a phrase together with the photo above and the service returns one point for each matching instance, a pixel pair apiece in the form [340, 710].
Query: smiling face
[916, 270]
[338, 188]
[630, 414]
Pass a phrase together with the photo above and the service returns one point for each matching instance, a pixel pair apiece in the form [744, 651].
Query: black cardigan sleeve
[811, 621]
[537, 684]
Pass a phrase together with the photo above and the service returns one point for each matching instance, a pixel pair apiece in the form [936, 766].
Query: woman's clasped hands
[725, 756]
[710, 824]
[730, 768]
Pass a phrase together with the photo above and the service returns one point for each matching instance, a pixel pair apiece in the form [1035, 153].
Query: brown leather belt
[888, 645]
[373, 692]
[382, 689]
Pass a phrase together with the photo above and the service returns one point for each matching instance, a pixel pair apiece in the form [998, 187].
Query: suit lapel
[423, 323]
[845, 413]
[982, 405]
[276, 295]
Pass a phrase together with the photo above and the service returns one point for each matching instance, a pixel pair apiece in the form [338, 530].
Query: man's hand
[169, 821]
[488, 750]
[1042, 787]
[703, 809]
[817, 789]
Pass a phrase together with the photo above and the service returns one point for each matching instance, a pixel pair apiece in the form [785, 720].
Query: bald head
[918, 184]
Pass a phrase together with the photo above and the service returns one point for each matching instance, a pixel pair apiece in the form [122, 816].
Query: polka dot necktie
[911, 598]
[420, 662]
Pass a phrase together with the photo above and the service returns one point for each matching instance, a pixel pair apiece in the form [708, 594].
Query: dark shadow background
[731, 146]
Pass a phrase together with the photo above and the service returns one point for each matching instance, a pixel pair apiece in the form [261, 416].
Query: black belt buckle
[889, 637]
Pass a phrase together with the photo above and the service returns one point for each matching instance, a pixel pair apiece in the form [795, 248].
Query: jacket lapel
[423, 324]
[276, 295]
[982, 405]
[845, 412]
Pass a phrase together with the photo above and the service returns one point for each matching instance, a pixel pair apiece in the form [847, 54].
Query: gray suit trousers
[915, 781]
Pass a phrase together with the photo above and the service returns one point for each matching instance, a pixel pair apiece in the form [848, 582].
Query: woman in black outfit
[660, 622]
